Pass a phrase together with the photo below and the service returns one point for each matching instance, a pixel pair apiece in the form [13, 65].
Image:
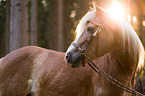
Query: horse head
[95, 36]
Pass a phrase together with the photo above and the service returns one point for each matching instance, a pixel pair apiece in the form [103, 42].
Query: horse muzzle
[74, 59]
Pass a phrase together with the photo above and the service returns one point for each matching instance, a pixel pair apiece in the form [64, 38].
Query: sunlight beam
[116, 10]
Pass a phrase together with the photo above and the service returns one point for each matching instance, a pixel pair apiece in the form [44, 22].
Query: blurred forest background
[51, 23]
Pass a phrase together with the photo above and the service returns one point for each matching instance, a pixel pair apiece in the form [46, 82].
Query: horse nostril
[67, 56]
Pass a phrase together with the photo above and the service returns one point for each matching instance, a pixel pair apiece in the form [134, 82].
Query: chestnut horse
[112, 44]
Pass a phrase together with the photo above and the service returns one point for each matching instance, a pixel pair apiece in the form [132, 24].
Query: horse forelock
[128, 34]
[81, 26]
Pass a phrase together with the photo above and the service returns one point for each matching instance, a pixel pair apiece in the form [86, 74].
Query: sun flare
[116, 10]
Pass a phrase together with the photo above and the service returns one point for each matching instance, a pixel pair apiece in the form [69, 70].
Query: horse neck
[109, 63]
[113, 64]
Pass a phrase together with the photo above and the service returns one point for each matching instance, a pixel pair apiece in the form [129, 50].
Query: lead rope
[111, 79]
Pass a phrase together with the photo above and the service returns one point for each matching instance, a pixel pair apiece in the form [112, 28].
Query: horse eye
[90, 29]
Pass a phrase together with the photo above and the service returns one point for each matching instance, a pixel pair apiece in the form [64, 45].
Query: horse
[35, 71]
[114, 47]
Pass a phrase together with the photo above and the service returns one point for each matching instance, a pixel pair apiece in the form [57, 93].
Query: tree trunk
[60, 26]
[33, 29]
[53, 25]
[67, 23]
[18, 24]
[7, 34]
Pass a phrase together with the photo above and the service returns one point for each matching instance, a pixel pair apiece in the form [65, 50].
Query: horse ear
[97, 8]
[95, 5]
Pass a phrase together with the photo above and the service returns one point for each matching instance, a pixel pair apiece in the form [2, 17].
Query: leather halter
[87, 41]
[96, 34]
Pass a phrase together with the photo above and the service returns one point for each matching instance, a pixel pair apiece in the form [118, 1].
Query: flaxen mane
[128, 34]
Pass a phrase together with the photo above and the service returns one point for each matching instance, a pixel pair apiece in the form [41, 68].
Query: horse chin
[75, 65]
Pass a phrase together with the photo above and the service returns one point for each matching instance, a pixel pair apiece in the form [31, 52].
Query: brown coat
[41, 72]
